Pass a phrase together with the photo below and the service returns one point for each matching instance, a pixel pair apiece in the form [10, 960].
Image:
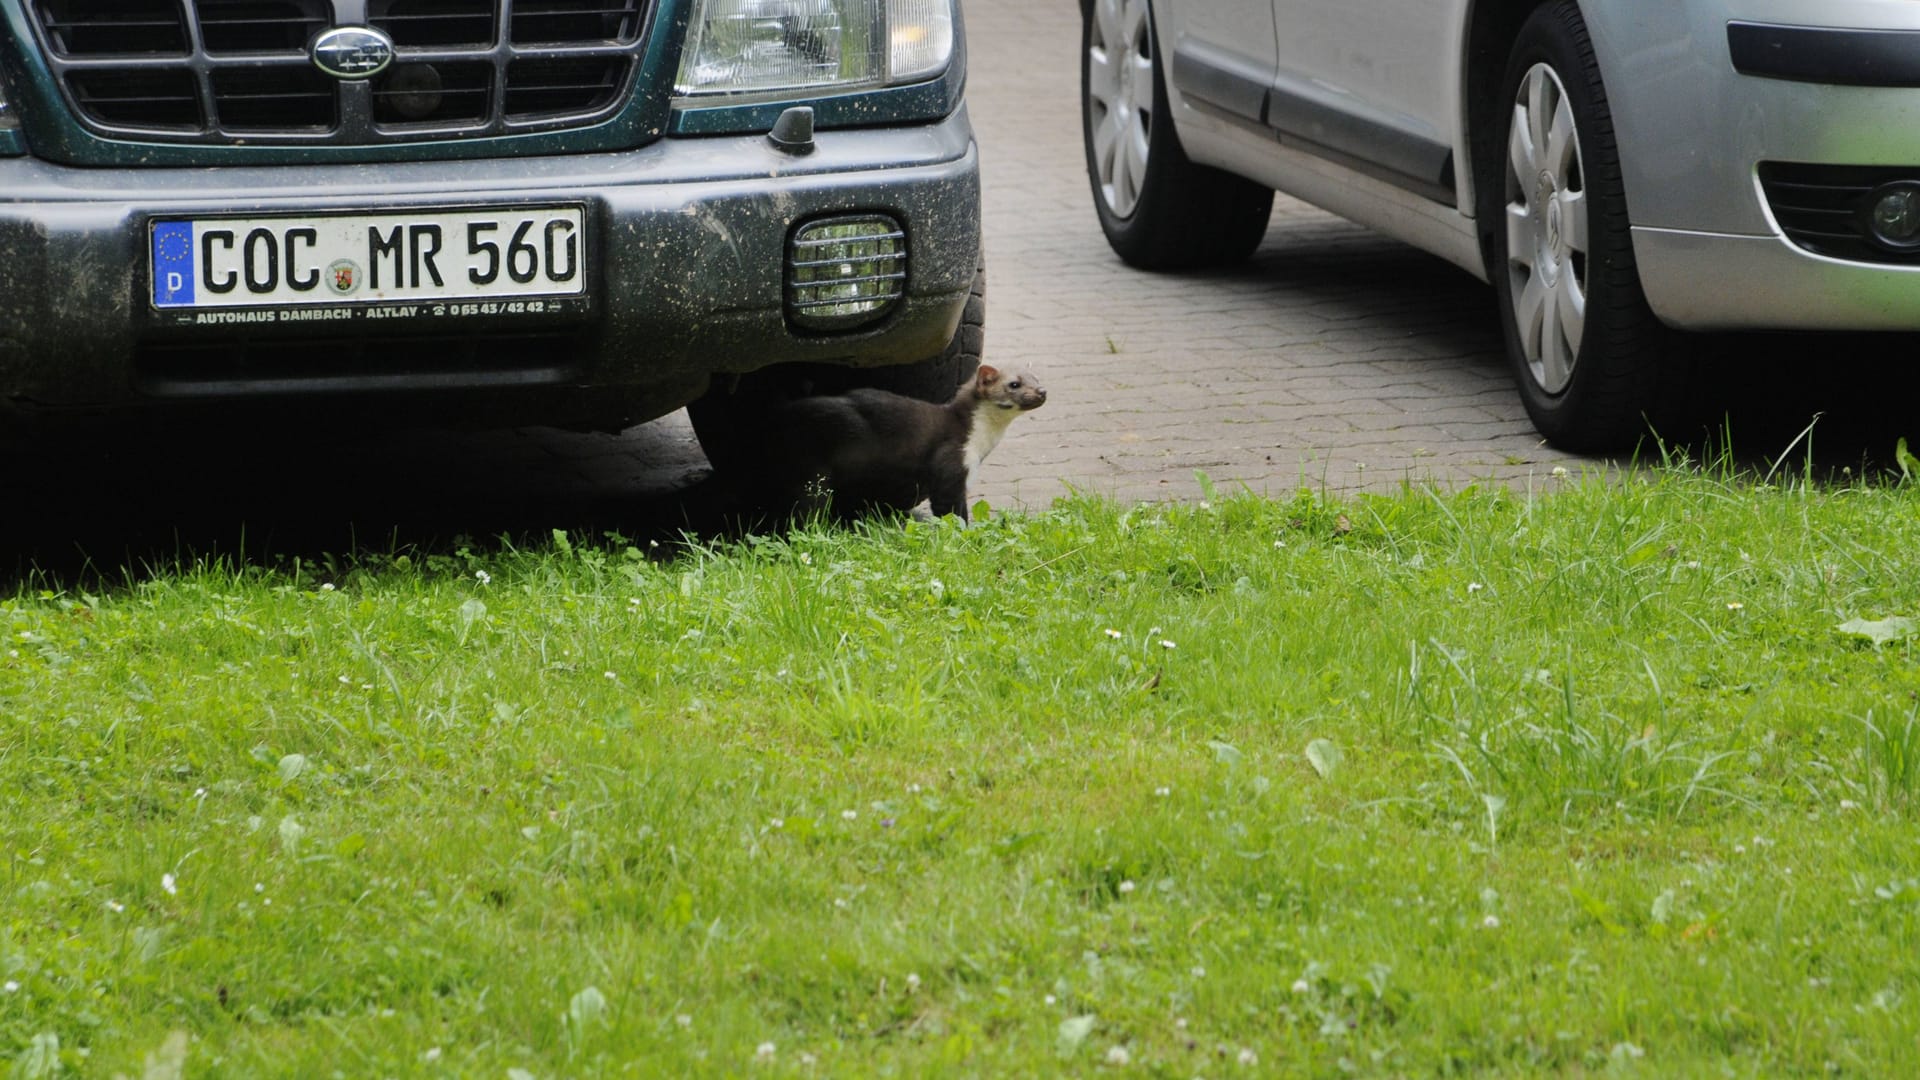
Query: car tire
[1596, 368]
[1160, 211]
[728, 418]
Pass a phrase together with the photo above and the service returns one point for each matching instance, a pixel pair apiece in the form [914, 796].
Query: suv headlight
[767, 47]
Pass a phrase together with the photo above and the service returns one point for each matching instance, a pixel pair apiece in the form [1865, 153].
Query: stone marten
[869, 450]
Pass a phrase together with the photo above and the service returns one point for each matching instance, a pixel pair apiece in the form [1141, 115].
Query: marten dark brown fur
[869, 450]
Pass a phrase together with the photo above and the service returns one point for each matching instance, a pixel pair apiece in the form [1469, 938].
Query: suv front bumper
[688, 280]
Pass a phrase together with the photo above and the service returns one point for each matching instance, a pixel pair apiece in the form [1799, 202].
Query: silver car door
[1373, 83]
[1222, 52]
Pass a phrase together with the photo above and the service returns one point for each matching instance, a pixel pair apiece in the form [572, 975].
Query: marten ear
[988, 375]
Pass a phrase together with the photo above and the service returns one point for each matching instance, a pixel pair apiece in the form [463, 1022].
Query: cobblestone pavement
[1334, 357]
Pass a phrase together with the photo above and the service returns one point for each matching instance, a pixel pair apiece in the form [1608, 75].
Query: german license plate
[498, 261]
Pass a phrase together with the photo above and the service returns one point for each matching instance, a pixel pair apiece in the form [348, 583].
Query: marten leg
[949, 497]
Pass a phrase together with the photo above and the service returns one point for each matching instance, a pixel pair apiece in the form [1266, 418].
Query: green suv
[582, 213]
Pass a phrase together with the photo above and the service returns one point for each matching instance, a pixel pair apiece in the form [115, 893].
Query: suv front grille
[260, 25]
[220, 72]
[85, 28]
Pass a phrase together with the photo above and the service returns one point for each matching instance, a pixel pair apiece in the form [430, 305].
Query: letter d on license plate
[334, 259]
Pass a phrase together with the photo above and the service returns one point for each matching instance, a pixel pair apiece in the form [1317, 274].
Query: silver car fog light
[1893, 215]
[768, 48]
[845, 271]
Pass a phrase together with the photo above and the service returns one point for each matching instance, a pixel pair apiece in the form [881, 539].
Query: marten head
[1017, 391]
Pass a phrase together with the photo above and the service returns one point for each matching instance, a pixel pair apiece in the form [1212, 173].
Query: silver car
[1618, 170]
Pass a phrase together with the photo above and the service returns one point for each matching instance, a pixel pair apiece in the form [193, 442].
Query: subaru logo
[352, 52]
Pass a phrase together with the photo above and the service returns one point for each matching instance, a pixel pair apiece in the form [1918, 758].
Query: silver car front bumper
[1693, 132]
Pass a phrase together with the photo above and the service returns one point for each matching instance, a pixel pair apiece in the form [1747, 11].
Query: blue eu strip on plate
[172, 263]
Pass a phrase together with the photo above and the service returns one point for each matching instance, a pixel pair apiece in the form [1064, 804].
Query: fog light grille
[845, 271]
[1830, 209]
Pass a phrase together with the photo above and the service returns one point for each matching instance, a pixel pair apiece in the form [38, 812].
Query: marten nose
[1039, 396]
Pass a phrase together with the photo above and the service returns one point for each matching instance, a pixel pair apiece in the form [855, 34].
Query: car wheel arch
[1493, 26]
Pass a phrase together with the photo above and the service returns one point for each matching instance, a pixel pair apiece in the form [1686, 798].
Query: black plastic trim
[1220, 80]
[1400, 157]
[1818, 54]
[1302, 120]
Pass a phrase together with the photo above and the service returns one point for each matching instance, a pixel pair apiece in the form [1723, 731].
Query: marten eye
[1014, 385]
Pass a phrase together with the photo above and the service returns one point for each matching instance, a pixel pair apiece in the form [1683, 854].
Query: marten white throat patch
[869, 450]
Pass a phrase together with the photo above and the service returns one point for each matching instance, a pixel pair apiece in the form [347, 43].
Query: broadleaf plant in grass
[1056, 792]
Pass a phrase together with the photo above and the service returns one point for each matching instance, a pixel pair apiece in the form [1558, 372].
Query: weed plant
[1619, 777]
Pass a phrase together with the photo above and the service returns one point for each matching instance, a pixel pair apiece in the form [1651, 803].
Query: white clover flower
[807, 1059]
[1199, 972]
[483, 577]
[1849, 804]
[913, 788]
[9, 987]
[432, 1054]
[1248, 1058]
[1118, 1057]
[1491, 922]
[1302, 986]
[167, 883]
[765, 1051]
[849, 815]
[913, 983]
[806, 558]
[683, 1020]
[776, 823]
[1162, 792]
[1126, 887]
[1474, 586]
[326, 586]
[1165, 644]
[1559, 472]
[259, 886]
[116, 906]
[1112, 633]
[1050, 999]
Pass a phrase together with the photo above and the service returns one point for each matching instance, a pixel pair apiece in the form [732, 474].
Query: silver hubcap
[1546, 229]
[1120, 99]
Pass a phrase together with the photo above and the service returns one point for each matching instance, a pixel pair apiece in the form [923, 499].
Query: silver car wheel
[1546, 201]
[1120, 99]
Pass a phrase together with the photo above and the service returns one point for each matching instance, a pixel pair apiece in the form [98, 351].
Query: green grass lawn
[1615, 778]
